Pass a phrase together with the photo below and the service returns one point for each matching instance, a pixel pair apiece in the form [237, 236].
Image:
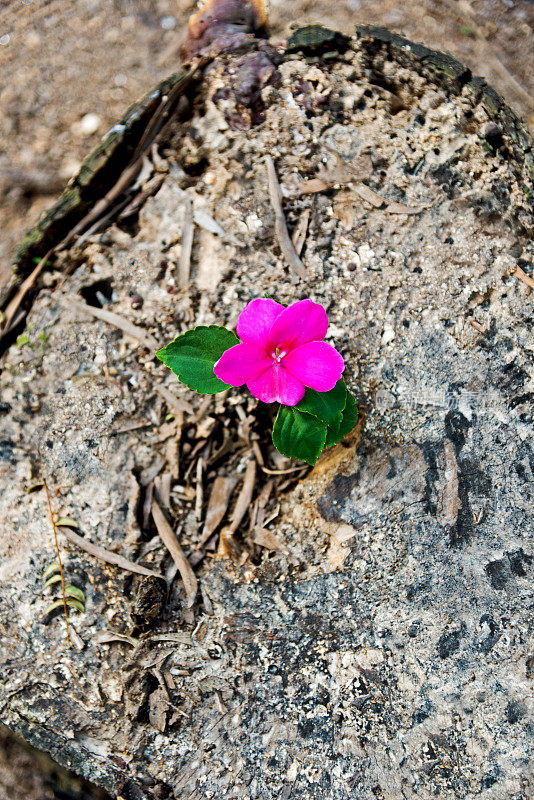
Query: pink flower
[282, 352]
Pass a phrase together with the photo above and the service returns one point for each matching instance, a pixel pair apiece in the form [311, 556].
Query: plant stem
[58, 560]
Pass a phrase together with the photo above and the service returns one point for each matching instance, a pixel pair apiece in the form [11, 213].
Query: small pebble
[168, 23]
[88, 125]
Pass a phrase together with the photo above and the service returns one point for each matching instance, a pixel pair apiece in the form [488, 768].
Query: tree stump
[367, 631]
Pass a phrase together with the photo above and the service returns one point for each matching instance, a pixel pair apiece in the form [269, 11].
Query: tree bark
[382, 646]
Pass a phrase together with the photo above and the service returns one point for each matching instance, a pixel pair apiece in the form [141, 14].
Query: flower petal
[277, 385]
[256, 320]
[301, 322]
[240, 363]
[316, 364]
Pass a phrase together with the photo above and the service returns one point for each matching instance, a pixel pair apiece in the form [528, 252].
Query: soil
[62, 61]
[371, 634]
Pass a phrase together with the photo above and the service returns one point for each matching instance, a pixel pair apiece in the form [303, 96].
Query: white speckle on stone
[168, 23]
[4, 40]
[389, 333]
[365, 253]
[253, 222]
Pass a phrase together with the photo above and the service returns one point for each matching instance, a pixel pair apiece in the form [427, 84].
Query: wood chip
[221, 491]
[282, 234]
[158, 709]
[184, 264]
[267, 539]
[76, 639]
[314, 186]
[125, 325]
[172, 544]
[368, 195]
[106, 555]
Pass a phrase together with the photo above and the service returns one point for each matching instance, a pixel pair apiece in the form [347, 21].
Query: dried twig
[184, 264]
[402, 208]
[524, 277]
[162, 485]
[177, 403]
[299, 234]
[58, 560]
[125, 325]
[173, 546]
[107, 556]
[286, 245]
[199, 499]
[150, 188]
[25, 287]
[245, 496]
[269, 471]
[106, 637]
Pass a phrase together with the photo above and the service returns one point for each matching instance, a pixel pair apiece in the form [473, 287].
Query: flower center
[278, 355]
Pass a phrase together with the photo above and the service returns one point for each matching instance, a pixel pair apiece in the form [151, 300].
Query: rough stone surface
[386, 649]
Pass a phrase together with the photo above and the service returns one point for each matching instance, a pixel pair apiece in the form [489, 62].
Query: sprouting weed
[74, 597]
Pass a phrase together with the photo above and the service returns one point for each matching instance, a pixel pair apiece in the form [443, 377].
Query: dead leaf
[221, 491]
[105, 555]
[401, 208]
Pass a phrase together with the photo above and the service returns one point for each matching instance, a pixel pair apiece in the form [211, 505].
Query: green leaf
[51, 568]
[350, 415]
[193, 355]
[298, 435]
[53, 606]
[326, 406]
[51, 581]
[73, 591]
[66, 522]
[76, 604]
[70, 602]
[34, 487]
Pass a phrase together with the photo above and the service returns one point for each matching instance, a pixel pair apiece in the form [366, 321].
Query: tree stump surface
[379, 641]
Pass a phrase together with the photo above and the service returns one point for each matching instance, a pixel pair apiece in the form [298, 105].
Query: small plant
[74, 597]
[280, 355]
